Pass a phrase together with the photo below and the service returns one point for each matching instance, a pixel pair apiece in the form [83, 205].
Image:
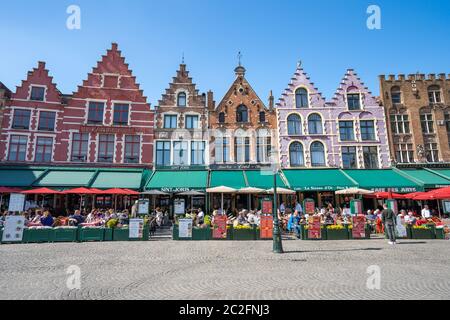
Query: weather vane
[239, 57]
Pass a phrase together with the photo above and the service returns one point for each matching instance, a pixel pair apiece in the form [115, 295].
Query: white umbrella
[281, 191]
[251, 190]
[222, 190]
[351, 191]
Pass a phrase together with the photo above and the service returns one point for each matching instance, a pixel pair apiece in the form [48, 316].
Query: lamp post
[277, 244]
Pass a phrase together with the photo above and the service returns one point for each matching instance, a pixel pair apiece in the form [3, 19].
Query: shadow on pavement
[337, 250]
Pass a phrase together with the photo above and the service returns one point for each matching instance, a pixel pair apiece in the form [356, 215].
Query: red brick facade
[107, 121]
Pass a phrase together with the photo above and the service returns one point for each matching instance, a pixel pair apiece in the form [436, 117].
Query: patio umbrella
[116, 192]
[82, 192]
[249, 191]
[413, 195]
[154, 193]
[357, 191]
[41, 191]
[222, 190]
[191, 194]
[386, 195]
[281, 191]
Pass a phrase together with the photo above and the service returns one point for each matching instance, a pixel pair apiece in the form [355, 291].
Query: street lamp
[277, 244]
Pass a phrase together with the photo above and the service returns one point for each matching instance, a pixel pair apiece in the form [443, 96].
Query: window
[191, 122]
[447, 125]
[317, 154]
[21, 119]
[222, 117]
[132, 149]
[181, 99]
[262, 117]
[47, 121]
[426, 121]
[197, 153]
[432, 152]
[18, 148]
[37, 93]
[404, 152]
[301, 98]
[106, 148]
[349, 157]
[353, 101]
[241, 114]
[296, 157]
[80, 143]
[263, 149]
[95, 114]
[121, 114]
[367, 130]
[400, 123]
[242, 149]
[222, 150]
[44, 149]
[396, 95]
[294, 125]
[180, 153]
[346, 131]
[434, 94]
[170, 122]
[370, 155]
[315, 124]
[163, 153]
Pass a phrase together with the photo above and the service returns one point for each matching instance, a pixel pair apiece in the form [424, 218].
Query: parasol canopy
[191, 193]
[281, 191]
[386, 195]
[41, 191]
[154, 193]
[10, 190]
[117, 191]
[82, 191]
[221, 189]
[351, 191]
[251, 190]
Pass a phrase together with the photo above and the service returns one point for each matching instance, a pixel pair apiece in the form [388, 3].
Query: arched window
[317, 154]
[434, 94]
[222, 117]
[294, 125]
[296, 157]
[181, 100]
[242, 114]
[315, 124]
[301, 98]
[396, 95]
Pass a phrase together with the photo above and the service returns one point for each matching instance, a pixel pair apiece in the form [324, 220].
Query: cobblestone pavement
[226, 270]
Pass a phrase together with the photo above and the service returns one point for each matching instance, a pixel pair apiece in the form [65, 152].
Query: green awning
[19, 177]
[118, 179]
[318, 179]
[178, 181]
[66, 178]
[231, 179]
[384, 180]
[429, 179]
[262, 179]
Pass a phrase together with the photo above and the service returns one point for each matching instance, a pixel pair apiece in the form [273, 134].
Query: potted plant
[422, 232]
[244, 233]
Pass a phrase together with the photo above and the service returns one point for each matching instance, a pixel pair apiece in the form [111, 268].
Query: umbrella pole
[1, 201]
[439, 208]
[222, 203]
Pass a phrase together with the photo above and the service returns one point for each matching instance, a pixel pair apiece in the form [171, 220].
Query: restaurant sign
[109, 130]
[179, 190]
[319, 188]
[398, 190]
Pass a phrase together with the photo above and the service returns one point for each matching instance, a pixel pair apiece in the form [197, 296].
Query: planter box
[108, 234]
[244, 234]
[65, 235]
[337, 234]
[201, 234]
[440, 234]
[304, 233]
[37, 235]
[90, 234]
[121, 234]
[421, 234]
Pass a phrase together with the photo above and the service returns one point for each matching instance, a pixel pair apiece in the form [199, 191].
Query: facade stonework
[243, 129]
[347, 132]
[418, 114]
[181, 124]
[5, 95]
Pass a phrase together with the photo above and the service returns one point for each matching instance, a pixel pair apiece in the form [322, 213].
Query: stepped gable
[301, 79]
[352, 83]
[111, 74]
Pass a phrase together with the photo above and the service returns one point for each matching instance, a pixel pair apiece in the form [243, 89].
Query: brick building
[243, 129]
[418, 112]
[348, 131]
[107, 121]
[5, 94]
[181, 125]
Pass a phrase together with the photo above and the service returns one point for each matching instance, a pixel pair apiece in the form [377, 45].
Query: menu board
[179, 206]
[143, 206]
[136, 228]
[314, 228]
[359, 227]
[16, 202]
[266, 227]
[267, 207]
[13, 231]
[310, 206]
[220, 227]
[356, 207]
[185, 228]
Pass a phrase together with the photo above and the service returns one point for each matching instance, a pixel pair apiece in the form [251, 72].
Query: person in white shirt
[426, 214]
[200, 216]
[298, 207]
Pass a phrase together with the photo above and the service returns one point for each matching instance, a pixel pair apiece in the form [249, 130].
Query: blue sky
[329, 36]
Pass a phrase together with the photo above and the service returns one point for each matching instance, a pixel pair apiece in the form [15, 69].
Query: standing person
[389, 220]
[200, 217]
[298, 207]
[282, 207]
[134, 209]
[426, 214]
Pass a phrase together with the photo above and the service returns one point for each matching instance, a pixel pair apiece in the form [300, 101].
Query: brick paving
[226, 270]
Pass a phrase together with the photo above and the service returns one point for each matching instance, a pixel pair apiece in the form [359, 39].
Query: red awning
[439, 194]
[413, 195]
[386, 195]
[10, 190]
[83, 191]
[41, 191]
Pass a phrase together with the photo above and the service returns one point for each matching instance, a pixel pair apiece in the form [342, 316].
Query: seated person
[294, 224]
[76, 219]
[242, 218]
[47, 220]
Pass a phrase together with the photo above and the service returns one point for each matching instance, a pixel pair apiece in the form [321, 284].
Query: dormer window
[434, 94]
[242, 114]
[354, 101]
[181, 99]
[37, 93]
[301, 98]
